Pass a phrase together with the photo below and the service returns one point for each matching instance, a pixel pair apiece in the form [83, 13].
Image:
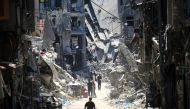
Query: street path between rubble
[100, 101]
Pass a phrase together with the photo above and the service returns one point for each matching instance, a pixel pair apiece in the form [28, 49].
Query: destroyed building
[130, 19]
[15, 50]
[163, 44]
[28, 78]
[66, 21]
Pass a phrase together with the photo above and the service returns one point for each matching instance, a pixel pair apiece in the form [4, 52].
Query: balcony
[76, 6]
[77, 31]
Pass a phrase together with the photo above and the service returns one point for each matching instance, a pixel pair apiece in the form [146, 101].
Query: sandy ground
[100, 101]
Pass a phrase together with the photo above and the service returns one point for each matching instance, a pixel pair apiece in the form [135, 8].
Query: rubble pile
[56, 85]
[125, 92]
[126, 89]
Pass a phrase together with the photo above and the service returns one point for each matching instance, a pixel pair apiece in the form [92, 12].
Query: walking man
[99, 78]
[89, 84]
[90, 104]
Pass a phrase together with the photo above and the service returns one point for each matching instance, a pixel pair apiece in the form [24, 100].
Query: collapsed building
[53, 40]
[66, 21]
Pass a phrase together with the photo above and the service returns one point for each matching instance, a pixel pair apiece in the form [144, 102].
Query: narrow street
[100, 101]
[52, 52]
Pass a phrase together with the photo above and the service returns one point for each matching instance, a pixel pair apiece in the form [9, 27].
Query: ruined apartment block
[67, 20]
[130, 18]
[76, 33]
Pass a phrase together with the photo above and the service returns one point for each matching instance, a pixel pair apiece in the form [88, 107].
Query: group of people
[92, 85]
[91, 89]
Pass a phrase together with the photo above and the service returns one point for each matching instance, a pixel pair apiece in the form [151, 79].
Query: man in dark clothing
[99, 78]
[89, 84]
[91, 76]
[95, 76]
[90, 104]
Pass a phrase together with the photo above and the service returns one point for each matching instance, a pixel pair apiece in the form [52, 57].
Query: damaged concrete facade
[15, 51]
[175, 65]
[130, 19]
[164, 46]
[67, 22]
